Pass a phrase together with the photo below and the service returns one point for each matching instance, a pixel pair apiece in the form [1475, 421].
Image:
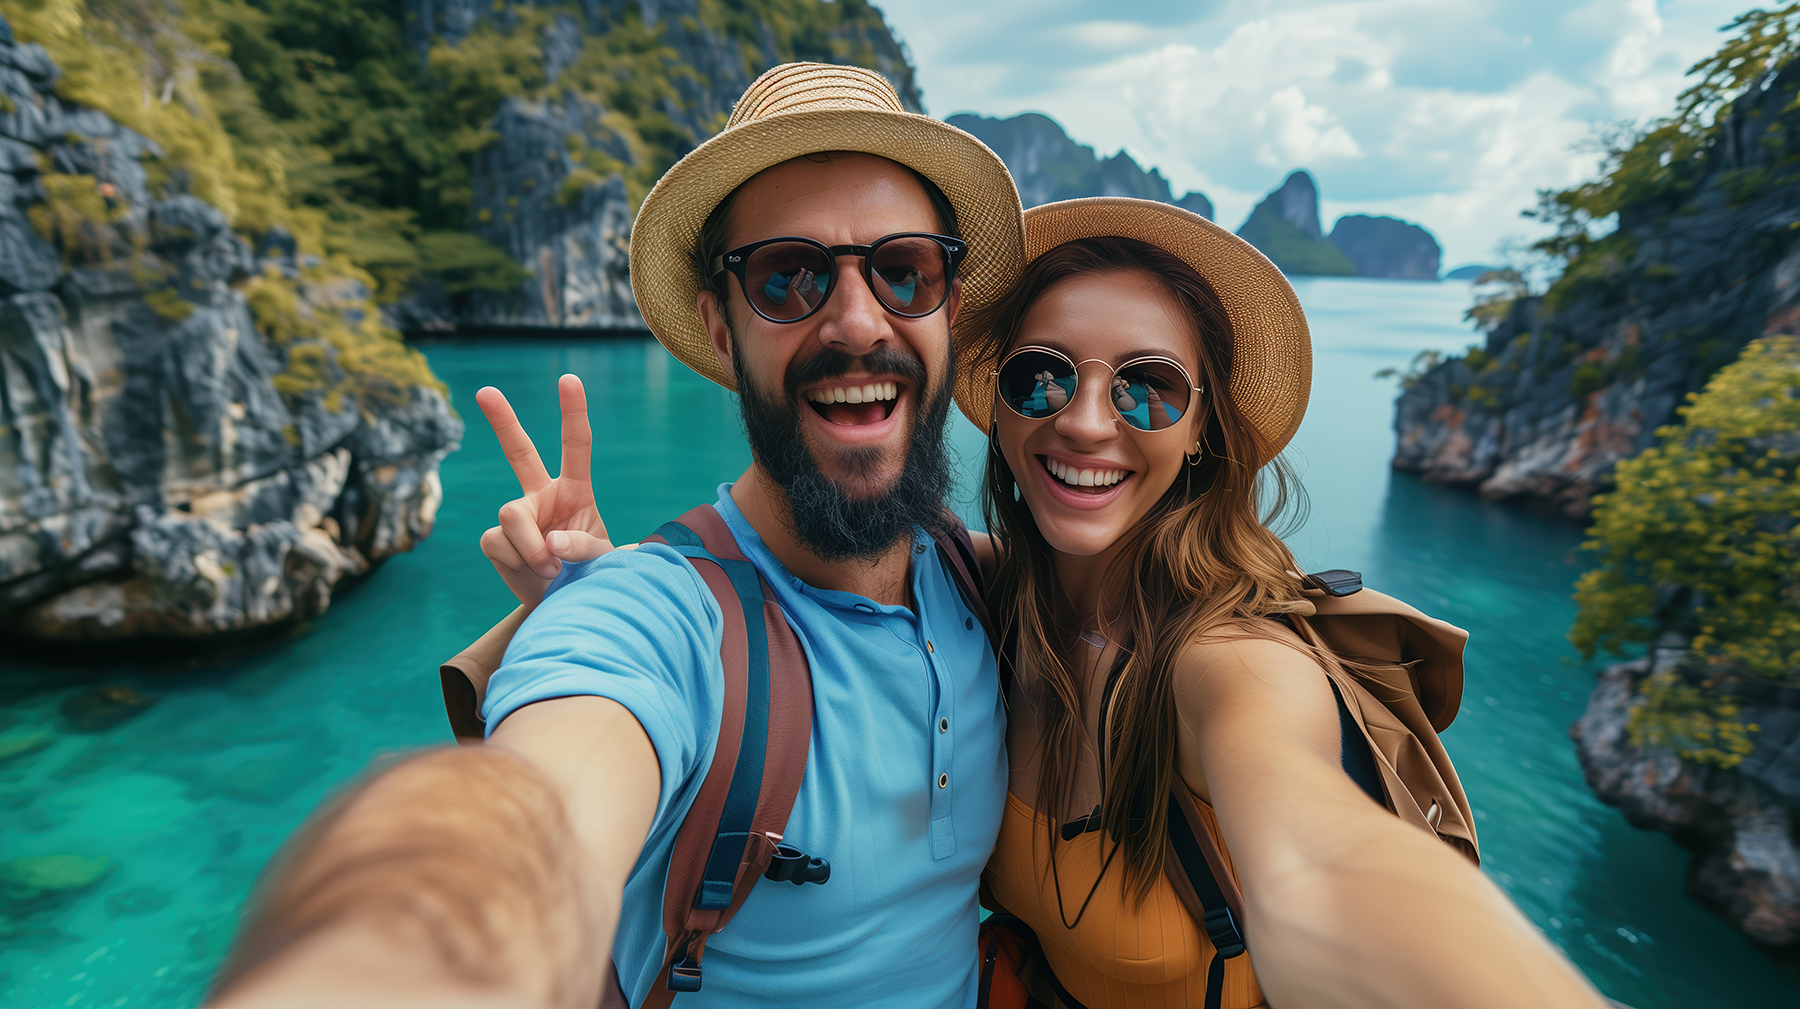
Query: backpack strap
[1196, 870]
[732, 833]
[958, 552]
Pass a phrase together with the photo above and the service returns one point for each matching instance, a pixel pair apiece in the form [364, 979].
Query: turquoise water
[189, 798]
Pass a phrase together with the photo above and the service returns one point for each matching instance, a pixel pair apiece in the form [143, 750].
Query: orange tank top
[1120, 955]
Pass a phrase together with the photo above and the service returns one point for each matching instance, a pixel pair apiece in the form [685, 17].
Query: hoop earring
[1199, 454]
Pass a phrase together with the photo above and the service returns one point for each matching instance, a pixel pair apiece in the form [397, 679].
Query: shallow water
[189, 798]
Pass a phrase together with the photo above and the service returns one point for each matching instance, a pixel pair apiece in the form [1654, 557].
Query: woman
[1138, 383]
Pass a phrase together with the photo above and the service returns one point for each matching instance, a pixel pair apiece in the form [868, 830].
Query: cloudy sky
[1451, 113]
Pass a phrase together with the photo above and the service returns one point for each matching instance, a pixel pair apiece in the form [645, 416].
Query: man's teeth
[855, 393]
[1085, 477]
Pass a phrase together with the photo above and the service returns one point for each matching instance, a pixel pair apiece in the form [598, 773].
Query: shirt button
[919, 548]
[943, 781]
[943, 725]
[929, 648]
[968, 623]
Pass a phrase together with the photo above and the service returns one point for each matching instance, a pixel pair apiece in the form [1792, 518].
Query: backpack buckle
[1223, 930]
[795, 866]
[684, 975]
[1336, 582]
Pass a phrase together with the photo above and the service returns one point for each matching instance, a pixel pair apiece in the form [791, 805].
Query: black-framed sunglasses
[788, 279]
[1149, 393]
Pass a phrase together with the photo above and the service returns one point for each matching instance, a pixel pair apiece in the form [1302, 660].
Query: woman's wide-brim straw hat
[807, 108]
[1271, 349]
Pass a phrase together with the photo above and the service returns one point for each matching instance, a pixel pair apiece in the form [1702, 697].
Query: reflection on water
[169, 814]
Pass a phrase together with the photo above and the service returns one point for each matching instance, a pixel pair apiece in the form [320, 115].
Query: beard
[825, 516]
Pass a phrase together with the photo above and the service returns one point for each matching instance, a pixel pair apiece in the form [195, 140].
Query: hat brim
[1271, 352]
[663, 275]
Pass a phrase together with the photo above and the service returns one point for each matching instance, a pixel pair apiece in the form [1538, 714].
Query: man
[495, 874]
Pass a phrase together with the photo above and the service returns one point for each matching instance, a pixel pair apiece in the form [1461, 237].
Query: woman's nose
[1089, 417]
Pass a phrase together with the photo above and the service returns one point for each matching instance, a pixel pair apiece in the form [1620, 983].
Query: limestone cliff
[1566, 386]
[567, 159]
[1048, 166]
[1741, 822]
[1386, 247]
[1285, 226]
[196, 436]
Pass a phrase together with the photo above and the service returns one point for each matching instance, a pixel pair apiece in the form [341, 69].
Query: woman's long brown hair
[1205, 559]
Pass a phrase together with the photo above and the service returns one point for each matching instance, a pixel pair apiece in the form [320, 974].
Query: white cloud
[1450, 114]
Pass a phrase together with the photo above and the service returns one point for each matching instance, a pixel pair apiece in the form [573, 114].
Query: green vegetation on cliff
[317, 116]
[1294, 250]
[1653, 171]
[1702, 536]
[326, 119]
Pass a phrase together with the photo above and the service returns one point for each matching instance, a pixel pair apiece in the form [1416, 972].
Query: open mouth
[854, 405]
[1083, 481]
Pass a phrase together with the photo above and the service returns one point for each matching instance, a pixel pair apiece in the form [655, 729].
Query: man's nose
[854, 320]
[1089, 417]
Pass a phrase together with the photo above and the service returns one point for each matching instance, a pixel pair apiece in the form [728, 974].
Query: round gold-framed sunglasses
[1148, 393]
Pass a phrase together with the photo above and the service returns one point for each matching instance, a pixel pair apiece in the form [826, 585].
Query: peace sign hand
[554, 520]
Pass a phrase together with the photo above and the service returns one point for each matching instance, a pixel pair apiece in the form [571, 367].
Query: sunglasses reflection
[1149, 395]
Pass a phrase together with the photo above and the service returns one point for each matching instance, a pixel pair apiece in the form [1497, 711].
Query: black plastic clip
[684, 975]
[1082, 825]
[791, 864]
[1336, 582]
[1222, 929]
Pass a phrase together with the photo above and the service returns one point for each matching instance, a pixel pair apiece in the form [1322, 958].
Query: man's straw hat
[1271, 350]
[805, 108]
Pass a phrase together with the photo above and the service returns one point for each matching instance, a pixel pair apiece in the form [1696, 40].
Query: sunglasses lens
[787, 280]
[910, 275]
[1035, 384]
[1150, 395]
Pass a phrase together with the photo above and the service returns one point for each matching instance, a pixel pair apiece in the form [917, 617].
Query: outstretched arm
[1346, 905]
[484, 875]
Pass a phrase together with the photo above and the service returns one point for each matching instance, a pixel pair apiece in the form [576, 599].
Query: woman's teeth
[1085, 477]
[854, 393]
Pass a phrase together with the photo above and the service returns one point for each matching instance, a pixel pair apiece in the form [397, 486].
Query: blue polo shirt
[904, 787]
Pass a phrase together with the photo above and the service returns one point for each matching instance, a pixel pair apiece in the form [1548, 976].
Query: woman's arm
[1345, 904]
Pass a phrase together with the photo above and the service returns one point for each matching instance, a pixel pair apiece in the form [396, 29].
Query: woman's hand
[554, 520]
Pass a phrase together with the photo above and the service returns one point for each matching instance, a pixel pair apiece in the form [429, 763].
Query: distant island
[1285, 226]
[1048, 165]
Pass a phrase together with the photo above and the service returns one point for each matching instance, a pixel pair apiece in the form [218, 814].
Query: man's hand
[465, 876]
[554, 520]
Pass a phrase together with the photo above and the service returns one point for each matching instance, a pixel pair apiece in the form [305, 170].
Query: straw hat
[804, 108]
[1271, 352]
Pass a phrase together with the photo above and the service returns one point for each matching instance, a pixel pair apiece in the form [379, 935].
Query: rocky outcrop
[1048, 166]
[573, 235]
[167, 467]
[1386, 247]
[548, 187]
[1285, 227]
[1742, 823]
[1560, 393]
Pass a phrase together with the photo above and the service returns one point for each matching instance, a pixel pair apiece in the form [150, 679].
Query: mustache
[829, 364]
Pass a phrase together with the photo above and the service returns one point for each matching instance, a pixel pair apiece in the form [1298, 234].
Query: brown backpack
[732, 833]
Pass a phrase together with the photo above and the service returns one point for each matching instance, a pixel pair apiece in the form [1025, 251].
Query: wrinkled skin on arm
[1345, 904]
[484, 875]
